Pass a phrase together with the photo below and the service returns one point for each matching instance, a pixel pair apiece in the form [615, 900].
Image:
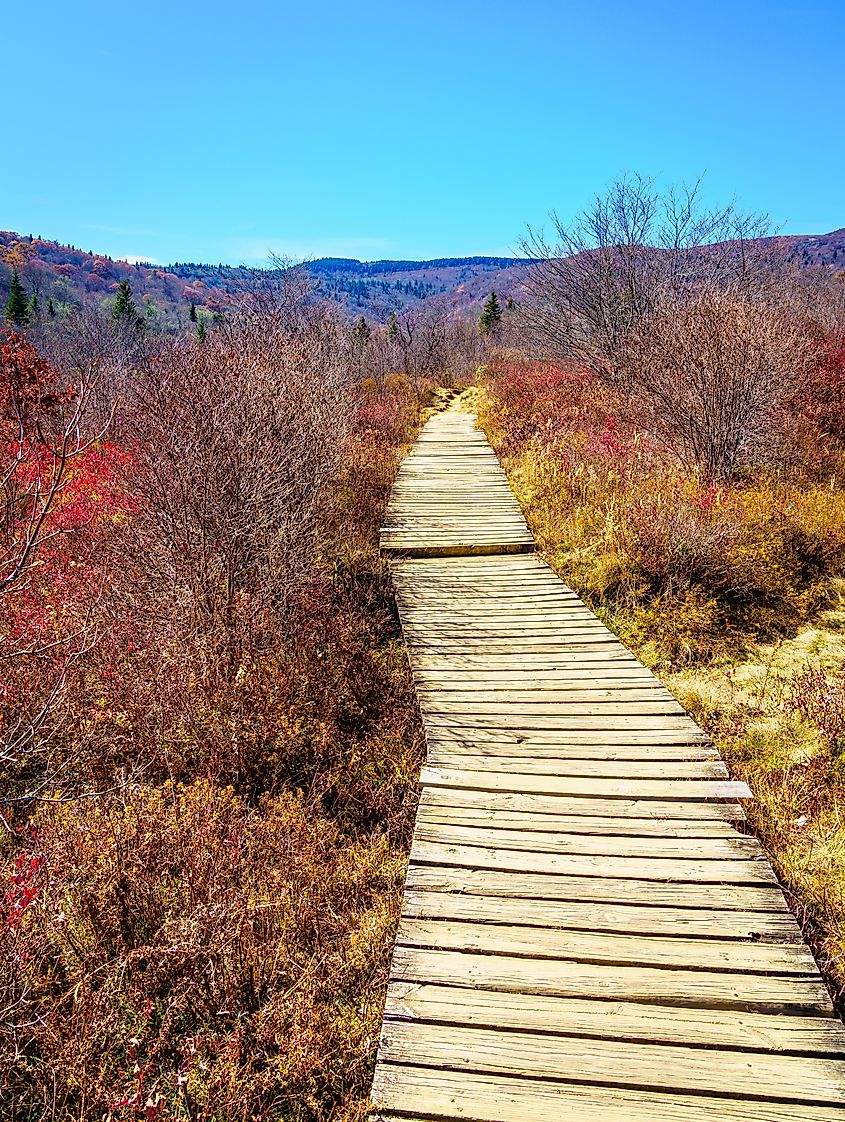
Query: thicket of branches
[429, 342]
[691, 315]
[235, 443]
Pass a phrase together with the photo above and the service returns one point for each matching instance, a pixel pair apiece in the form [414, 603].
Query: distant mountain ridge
[373, 268]
[68, 277]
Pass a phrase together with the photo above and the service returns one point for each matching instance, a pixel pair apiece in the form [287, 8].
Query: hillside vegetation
[72, 278]
[63, 279]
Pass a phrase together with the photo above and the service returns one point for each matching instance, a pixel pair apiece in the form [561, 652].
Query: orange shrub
[188, 956]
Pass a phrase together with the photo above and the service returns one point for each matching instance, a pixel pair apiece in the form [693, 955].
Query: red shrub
[825, 402]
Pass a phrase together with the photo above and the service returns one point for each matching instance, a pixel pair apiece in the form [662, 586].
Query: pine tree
[393, 327]
[491, 315]
[51, 311]
[17, 308]
[124, 306]
[362, 330]
[124, 310]
[33, 307]
[201, 330]
[192, 314]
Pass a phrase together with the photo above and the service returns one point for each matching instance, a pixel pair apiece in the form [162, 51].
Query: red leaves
[26, 382]
[544, 400]
[610, 441]
[825, 402]
[92, 499]
[702, 497]
[22, 890]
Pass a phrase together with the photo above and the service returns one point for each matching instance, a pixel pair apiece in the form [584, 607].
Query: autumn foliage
[201, 860]
[681, 562]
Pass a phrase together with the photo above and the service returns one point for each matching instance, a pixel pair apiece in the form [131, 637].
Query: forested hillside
[61, 277]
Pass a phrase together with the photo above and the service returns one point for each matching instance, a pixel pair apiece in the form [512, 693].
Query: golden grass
[798, 810]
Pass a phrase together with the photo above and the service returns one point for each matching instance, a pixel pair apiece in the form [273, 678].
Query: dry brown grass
[209, 959]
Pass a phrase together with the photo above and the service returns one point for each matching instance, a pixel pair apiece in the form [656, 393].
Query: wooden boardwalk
[585, 934]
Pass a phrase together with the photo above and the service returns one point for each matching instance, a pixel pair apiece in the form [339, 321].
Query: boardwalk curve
[585, 933]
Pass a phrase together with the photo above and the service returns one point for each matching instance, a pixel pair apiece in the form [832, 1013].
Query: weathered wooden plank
[522, 654]
[467, 679]
[570, 978]
[653, 1066]
[590, 915]
[511, 658]
[427, 624]
[602, 825]
[519, 884]
[523, 742]
[572, 944]
[473, 672]
[484, 601]
[471, 533]
[573, 750]
[531, 763]
[473, 1097]
[522, 718]
[500, 752]
[413, 546]
[548, 841]
[617, 1020]
[586, 807]
[665, 789]
[746, 870]
[558, 621]
[547, 703]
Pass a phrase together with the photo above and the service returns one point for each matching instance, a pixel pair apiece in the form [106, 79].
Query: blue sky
[221, 131]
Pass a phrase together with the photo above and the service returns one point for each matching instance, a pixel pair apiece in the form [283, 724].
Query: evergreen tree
[192, 315]
[201, 329]
[33, 307]
[393, 327]
[124, 310]
[362, 330]
[17, 308]
[51, 311]
[491, 315]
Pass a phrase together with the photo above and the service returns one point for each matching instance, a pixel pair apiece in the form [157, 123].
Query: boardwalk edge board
[584, 933]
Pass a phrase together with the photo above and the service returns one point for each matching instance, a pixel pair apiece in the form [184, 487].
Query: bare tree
[619, 260]
[104, 353]
[235, 438]
[429, 341]
[709, 373]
